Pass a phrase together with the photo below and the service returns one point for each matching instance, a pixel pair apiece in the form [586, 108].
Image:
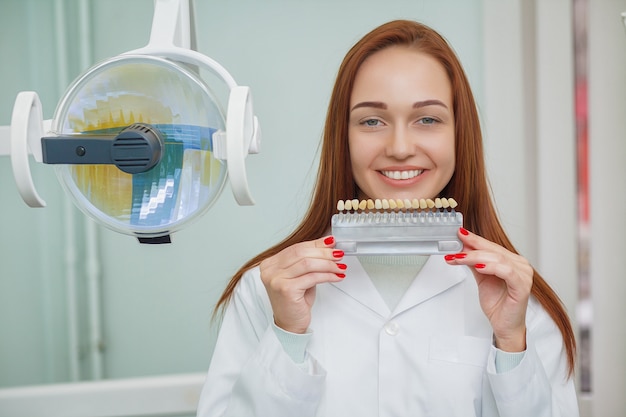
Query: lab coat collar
[435, 277]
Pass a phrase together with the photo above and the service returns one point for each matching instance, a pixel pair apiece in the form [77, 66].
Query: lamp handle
[27, 128]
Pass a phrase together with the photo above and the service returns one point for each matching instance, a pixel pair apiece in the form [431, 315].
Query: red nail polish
[338, 254]
[341, 275]
[460, 255]
[479, 266]
[449, 257]
[463, 231]
[329, 240]
[342, 266]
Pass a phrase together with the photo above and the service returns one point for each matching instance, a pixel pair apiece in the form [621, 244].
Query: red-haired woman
[308, 331]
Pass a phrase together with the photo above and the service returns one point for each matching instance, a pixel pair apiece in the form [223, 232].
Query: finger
[295, 288]
[301, 283]
[325, 242]
[322, 248]
[518, 279]
[481, 258]
[310, 280]
[302, 261]
[514, 269]
[308, 266]
[472, 241]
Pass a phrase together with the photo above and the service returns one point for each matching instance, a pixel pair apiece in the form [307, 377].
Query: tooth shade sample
[396, 204]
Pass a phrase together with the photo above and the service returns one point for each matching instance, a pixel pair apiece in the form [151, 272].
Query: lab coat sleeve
[539, 386]
[250, 372]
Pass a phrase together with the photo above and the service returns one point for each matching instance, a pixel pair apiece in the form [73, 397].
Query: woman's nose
[400, 144]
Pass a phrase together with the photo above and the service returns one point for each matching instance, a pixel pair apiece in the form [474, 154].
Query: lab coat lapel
[435, 277]
[359, 286]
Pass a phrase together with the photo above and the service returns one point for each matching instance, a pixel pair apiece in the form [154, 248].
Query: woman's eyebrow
[374, 104]
[425, 103]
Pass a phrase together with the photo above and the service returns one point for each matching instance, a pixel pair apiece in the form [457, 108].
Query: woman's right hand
[290, 278]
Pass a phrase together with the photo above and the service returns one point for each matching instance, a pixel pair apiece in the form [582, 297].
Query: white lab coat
[432, 356]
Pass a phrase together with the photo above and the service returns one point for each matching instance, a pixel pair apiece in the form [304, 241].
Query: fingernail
[329, 240]
[341, 275]
[463, 231]
[479, 266]
[460, 255]
[449, 257]
[337, 253]
[342, 266]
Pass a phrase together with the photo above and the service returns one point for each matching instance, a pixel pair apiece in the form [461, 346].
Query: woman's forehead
[401, 73]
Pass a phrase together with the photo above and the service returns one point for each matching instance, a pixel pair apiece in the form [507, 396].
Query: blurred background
[81, 305]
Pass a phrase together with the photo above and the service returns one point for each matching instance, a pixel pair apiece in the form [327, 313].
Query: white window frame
[168, 395]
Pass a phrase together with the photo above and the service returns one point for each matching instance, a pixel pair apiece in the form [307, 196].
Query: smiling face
[401, 129]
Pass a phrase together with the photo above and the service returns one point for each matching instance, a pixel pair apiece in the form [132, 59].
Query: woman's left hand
[504, 283]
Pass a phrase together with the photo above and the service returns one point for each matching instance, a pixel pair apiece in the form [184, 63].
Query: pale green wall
[157, 300]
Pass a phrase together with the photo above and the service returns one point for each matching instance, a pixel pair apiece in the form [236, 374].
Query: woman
[308, 331]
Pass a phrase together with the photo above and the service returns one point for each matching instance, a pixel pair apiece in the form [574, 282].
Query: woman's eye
[371, 122]
[427, 121]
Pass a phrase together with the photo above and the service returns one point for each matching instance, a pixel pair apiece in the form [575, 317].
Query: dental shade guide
[397, 227]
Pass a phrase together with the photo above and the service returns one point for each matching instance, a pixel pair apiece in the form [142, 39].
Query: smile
[402, 175]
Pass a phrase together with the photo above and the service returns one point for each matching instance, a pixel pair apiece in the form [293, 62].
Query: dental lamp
[139, 141]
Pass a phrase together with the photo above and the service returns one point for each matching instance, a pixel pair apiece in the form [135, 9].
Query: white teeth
[397, 204]
[402, 175]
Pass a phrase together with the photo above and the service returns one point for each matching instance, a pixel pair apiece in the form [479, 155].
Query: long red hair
[468, 185]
